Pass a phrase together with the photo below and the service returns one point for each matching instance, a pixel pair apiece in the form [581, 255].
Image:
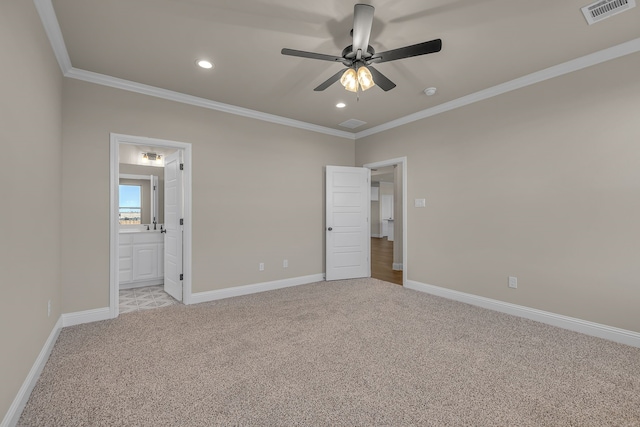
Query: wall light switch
[420, 203]
[261, 266]
[513, 282]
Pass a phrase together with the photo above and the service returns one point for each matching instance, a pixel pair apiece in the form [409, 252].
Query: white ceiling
[485, 43]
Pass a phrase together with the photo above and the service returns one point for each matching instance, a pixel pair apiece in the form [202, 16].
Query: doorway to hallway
[388, 229]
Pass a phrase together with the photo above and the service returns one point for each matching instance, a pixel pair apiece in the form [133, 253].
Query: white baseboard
[87, 316]
[236, 291]
[611, 333]
[377, 236]
[397, 266]
[12, 416]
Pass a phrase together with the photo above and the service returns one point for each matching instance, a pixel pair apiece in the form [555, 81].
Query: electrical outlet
[285, 263]
[49, 308]
[261, 266]
[513, 282]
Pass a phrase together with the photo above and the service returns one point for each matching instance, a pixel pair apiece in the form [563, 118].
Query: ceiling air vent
[352, 123]
[604, 9]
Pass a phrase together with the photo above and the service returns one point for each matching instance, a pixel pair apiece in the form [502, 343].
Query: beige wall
[542, 183]
[258, 193]
[30, 137]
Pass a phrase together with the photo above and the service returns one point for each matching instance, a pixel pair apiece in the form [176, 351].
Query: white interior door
[347, 228]
[173, 214]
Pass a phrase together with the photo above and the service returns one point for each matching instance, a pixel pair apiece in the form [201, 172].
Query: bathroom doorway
[150, 251]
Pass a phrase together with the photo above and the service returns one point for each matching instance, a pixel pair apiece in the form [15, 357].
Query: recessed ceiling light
[430, 91]
[341, 105]
[203, 63]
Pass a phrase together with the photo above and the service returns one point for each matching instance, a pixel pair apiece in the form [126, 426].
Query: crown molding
[595, 58]
[52, 28]
[104, 80]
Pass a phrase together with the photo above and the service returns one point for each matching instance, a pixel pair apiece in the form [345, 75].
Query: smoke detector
[603, 9]
[430, 91]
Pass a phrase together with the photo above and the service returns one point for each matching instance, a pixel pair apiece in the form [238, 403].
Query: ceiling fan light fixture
[349, 80]
[365, 78]
[360, 53]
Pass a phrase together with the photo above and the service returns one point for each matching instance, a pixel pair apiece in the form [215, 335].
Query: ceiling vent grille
[352, 123]
[604, 9]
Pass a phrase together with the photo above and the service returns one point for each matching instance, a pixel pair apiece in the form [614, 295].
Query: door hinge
[181, 221]
[181, 276]
[154, 187]
[181, 166]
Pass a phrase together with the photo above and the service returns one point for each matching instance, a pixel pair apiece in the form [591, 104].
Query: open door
[347, 223]
[173, 217]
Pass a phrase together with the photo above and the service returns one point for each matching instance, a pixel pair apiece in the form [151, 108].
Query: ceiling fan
[358, 57]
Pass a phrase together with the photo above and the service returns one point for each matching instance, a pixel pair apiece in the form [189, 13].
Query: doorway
[388, 219]
[138, 244]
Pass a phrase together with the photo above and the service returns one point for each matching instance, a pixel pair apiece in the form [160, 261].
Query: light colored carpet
[353, 353]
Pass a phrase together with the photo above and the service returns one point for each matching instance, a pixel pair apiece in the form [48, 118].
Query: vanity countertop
[137, 230]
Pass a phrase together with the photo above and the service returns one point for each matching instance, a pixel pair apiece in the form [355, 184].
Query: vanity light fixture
[152, 156]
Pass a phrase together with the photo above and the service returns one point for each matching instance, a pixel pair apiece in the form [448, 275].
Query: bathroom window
[130, 204]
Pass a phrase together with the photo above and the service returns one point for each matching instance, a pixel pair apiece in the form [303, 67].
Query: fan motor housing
[350, 55]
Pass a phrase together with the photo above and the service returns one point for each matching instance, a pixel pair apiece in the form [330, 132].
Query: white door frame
[114, 240]
[399, 161]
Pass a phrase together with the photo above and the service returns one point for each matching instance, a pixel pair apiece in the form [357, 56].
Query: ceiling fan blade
[381, 80]
[331, 80]
[362, 22]
[408, 51]
[303, 54]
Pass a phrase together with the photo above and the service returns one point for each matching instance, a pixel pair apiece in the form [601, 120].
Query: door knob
[329, 228]
[163, 231]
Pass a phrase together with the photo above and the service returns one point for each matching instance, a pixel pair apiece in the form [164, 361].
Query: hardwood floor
[382, 260]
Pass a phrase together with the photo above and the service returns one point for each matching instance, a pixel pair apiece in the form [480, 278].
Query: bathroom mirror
[146, 186]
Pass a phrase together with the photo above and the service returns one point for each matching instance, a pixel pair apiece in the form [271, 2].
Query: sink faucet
[147, 227]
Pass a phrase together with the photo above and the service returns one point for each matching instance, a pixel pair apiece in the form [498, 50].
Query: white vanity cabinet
[141, 259]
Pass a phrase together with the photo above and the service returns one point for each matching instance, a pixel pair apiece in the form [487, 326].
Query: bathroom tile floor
[146, 298]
